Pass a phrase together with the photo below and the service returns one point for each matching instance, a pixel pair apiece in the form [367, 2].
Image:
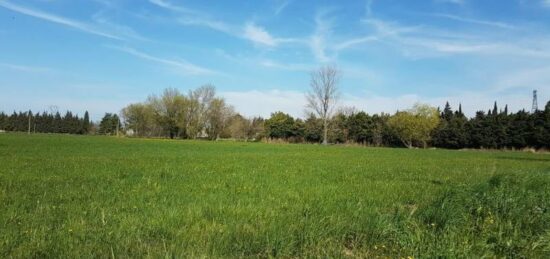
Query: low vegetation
[92, 196]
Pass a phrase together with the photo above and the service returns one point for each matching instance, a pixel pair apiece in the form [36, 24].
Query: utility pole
[535, 106]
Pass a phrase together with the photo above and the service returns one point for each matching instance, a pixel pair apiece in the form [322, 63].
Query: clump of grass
[506, 216]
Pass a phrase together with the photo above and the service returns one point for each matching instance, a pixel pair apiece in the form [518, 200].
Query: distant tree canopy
[200, 114]
[45, 122]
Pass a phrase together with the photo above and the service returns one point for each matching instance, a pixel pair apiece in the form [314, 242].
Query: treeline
[200, 114]
[494, 129]
[46, 122]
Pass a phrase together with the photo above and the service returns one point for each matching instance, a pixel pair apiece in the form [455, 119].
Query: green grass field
[85, 196]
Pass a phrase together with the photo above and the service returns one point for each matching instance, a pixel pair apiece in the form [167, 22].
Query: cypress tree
[86, 123]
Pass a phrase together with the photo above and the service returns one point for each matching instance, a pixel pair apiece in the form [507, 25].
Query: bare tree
[323, 95]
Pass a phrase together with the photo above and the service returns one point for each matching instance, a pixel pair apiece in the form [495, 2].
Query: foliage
[110, 124]
[281, 125]
[45, 122]
[415, 125]
[200, 114]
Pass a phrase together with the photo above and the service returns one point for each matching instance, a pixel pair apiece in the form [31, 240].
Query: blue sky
[101, 55]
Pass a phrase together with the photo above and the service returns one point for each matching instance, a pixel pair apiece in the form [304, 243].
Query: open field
[84, 196]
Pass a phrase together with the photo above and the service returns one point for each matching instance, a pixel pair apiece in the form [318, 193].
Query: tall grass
[83, 196]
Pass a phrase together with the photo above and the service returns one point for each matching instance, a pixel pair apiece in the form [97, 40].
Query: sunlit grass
[81, 196]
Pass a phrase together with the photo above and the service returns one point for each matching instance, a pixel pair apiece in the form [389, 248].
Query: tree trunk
[325, 132]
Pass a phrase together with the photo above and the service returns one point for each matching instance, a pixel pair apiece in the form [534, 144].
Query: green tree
[361, 128]
[169, 111]
[280, 126]
[85, 128]
[313, 129]
[415, 125]
[138, 117]
[109, 124]
[451, 131]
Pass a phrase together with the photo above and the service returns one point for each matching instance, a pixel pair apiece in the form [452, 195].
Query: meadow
[91, 196]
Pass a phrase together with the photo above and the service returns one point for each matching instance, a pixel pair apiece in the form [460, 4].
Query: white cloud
[258, 35]
[58, 19]
[475, 21]
[422, 41]
[117, 29]
[206, 22]
[250, 31]
[181, 66]
[317, 41]
[356, 41]
[170, 6]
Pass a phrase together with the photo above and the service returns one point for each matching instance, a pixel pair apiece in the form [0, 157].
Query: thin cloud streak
[474, 21]
[175, 8]
[249, 31]
[26, 69]
[185, 67]
[57, 19]
[290, 67]
[282, 6]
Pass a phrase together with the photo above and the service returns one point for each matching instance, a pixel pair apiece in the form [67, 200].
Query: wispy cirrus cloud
[84, 27]
[120, 30]
[281, 5]
[259, 35]
[249, 31]
[283, 66]
[475, 21]
[181, 66]
[26, 68]
[318, 41]
[173, 7]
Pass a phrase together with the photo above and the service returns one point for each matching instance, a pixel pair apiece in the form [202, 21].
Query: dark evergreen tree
[85, 127]
[361, 128]
[3, 121]
[451, 132]
[109, 124]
